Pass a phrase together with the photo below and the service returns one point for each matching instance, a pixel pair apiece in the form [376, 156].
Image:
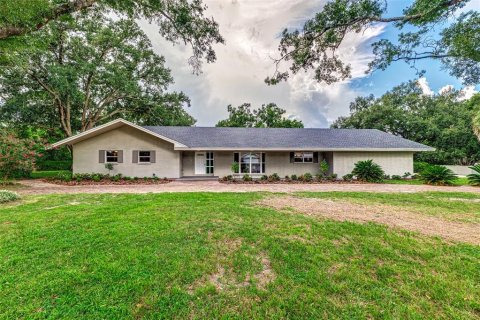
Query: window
[209, 163]
[111, 156]
[144, 157]
[303, 157]
[252, 162]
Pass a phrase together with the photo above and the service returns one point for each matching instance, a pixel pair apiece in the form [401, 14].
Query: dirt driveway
[41, 187]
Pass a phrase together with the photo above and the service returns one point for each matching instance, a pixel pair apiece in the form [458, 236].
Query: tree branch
[60, 10]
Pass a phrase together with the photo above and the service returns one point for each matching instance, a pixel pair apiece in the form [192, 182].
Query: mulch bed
[107, 182]
[292, 182]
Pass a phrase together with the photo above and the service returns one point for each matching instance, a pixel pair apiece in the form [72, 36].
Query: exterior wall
[167, 164]
[188, 163]
[392, 162]
[461, 170]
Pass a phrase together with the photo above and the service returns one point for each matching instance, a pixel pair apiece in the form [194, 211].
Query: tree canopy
[179, 21]
[267, 116]
[316, 45]
[77, 73]
[442, 121]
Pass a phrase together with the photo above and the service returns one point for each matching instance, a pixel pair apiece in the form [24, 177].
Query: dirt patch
[383, 214]
[266, 275]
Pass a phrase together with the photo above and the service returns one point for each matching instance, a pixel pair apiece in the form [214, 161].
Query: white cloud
[468, 92]
[423, 84]
[251, 30]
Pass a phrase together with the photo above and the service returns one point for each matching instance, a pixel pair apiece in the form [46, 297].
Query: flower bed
[258, 181]
[100, 179]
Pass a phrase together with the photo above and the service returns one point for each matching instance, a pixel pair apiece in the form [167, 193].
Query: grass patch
[49, 174]
[461, 181]
[208, 255]
[450, 205]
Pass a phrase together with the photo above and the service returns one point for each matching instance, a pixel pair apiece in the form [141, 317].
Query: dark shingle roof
[278, 138]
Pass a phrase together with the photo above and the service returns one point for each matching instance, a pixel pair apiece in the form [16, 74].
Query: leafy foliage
[437, 175]
[368, 171]
[474, 178]
[17, 156]
[268, 116]
[179, 21]
[95, 68]
[8, 196]
[315, 45]
[441, 121]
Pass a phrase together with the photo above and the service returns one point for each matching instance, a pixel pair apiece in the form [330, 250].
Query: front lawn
[460, 181]
[207, 255]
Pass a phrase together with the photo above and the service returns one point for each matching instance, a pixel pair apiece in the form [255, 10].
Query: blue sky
[251, 29]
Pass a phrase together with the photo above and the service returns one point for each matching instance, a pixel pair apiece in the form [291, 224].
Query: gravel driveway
[42, 187]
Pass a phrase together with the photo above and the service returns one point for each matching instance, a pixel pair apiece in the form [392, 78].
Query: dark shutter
[292, 157]
[315, 157]
[236, 157]
[101, 156]
[152, 156]
[135, 156]
[120, 156]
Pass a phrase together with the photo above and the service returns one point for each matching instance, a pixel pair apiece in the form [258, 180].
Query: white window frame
[107, 156]
[212, 159]
[149, 157]
[262, 157]
[310, 153]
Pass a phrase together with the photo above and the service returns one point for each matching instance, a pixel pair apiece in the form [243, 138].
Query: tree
[441, 121]
[178, 20]
[267, 116]
[85, 71]
[315, 46]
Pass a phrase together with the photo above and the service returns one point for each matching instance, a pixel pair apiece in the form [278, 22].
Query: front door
[204, 163]
[200, 162]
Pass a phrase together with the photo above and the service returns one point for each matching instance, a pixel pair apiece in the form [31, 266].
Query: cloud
[251, 30]
[423, 84]
[465, 93]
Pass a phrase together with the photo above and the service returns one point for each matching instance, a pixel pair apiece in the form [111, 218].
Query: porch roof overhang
[316, 149]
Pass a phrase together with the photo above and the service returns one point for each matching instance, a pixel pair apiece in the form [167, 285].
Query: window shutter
[135, 156]
[236, 157]
[120, 156]
[101, 156]
[152, 156]
[292, 157]
[315, 157]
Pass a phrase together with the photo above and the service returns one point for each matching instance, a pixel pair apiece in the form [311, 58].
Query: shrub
[274, 177]
[419, 166]
[386, 177]
[17, 156]
[474, 178]
[246, 177]
[332, 177]
[406, 175]
[50, 165]
[324, 167]
[294, 177]
[235, 167]
[264, 177]
[368, 171]
[109, 167]
[66, 176]
[437, 175]
[287, 178]
[396, 177]
[8, 196]
[307, 177]
[348, 177]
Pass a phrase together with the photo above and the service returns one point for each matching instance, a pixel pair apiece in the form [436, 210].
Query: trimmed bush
[474, 178]
[246, 177]
[294, 177]
[274, 177]
[348, 177]
[437, 175]
[307, 177]
[368, 171]
[8, 196]
[396, 177]
[264, 177]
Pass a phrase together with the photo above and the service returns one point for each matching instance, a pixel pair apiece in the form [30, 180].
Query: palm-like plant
[368, 171]
[437, 175]
[474, 178]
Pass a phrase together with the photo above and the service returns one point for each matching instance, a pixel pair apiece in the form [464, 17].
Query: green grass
[450, 205]
[461, 181]
[150, 256]
[49, 174]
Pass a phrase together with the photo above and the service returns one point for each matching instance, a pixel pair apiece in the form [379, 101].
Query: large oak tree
[426, 32]
[85, 70]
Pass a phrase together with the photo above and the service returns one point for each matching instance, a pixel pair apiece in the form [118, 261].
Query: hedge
[51, 165]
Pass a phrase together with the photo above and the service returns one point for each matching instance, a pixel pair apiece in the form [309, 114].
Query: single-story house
[176, 152]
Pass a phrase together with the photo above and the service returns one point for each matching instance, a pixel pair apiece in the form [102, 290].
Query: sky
[251, 29]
